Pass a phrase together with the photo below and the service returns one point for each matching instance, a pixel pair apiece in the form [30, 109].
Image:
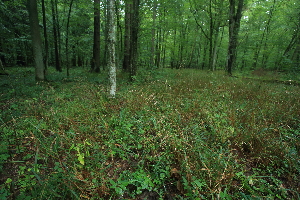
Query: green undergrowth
[172, 134]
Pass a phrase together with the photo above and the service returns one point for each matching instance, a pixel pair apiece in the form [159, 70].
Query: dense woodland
[150, 99]
[157, 33]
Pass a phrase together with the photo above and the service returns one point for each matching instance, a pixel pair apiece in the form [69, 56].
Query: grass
[173, 134]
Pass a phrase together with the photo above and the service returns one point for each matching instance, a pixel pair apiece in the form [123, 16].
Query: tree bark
[131, 37]
[56, 37]
[96, 47]
[119, 33]
[36, 40]
[296, 54]
[153, 45]
[67, 39]
[134, 38]
[235, 15]
[127, 39]
[111, 48]
[45, 35]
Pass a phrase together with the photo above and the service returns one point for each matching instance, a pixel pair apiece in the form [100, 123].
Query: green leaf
[81, 158]
[8, 180]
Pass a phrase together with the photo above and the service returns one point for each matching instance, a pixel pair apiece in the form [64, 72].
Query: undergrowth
[172, 134]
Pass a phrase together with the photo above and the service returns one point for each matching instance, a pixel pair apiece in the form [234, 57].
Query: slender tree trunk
[119, 44]
[36, 40]
[134, 39]
[215, 49]
[58, 30]
[45, 35]
[67, 38]
[211, 37]
[235, 15]
[104, 60]
[173, 60]
[164, 35]
[119, 34]
[131, 37]
[111, 48]
[96, 47]
[56, 37]
[204, 59]
[127, 39]
[153, 45]
[296, 55]
[158, 48]
[263, 41]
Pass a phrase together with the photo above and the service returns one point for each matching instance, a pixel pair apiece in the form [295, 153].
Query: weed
[181, 134]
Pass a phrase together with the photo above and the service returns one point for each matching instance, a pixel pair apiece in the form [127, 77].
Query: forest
[149, 99]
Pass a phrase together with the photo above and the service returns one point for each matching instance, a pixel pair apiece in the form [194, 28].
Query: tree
[263, 40]
[96, 47]
[56, 35]
[2, 71]
[36, 40]
[111, 48]
[235, 15]
[127, 37]
[210, 17]
[45, 34]
[15, 42]
[67, 38]
[296, 54]
[132, 21]
[153, 42]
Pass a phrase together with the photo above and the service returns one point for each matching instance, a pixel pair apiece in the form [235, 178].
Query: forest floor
[172, 134]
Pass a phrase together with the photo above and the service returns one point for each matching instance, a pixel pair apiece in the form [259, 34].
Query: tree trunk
[67, 39]
[235, 16]
[96, 48]
[56, 37]
[134, 39]
[119, 43]
[111, 48]
[263, 42]
[131, 37]
[36, 40]
[153, 45]
[173, 60]
[104, 61]
[127, 39]
[45, 35]
[158, 48]
[296, 54]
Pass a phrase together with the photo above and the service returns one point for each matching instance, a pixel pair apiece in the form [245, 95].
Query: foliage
[181, 134]
[177, 34]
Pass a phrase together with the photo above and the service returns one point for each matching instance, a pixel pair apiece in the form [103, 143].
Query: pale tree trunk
[235, 15]
[119, 34]
[36, 40]
[111, 48]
